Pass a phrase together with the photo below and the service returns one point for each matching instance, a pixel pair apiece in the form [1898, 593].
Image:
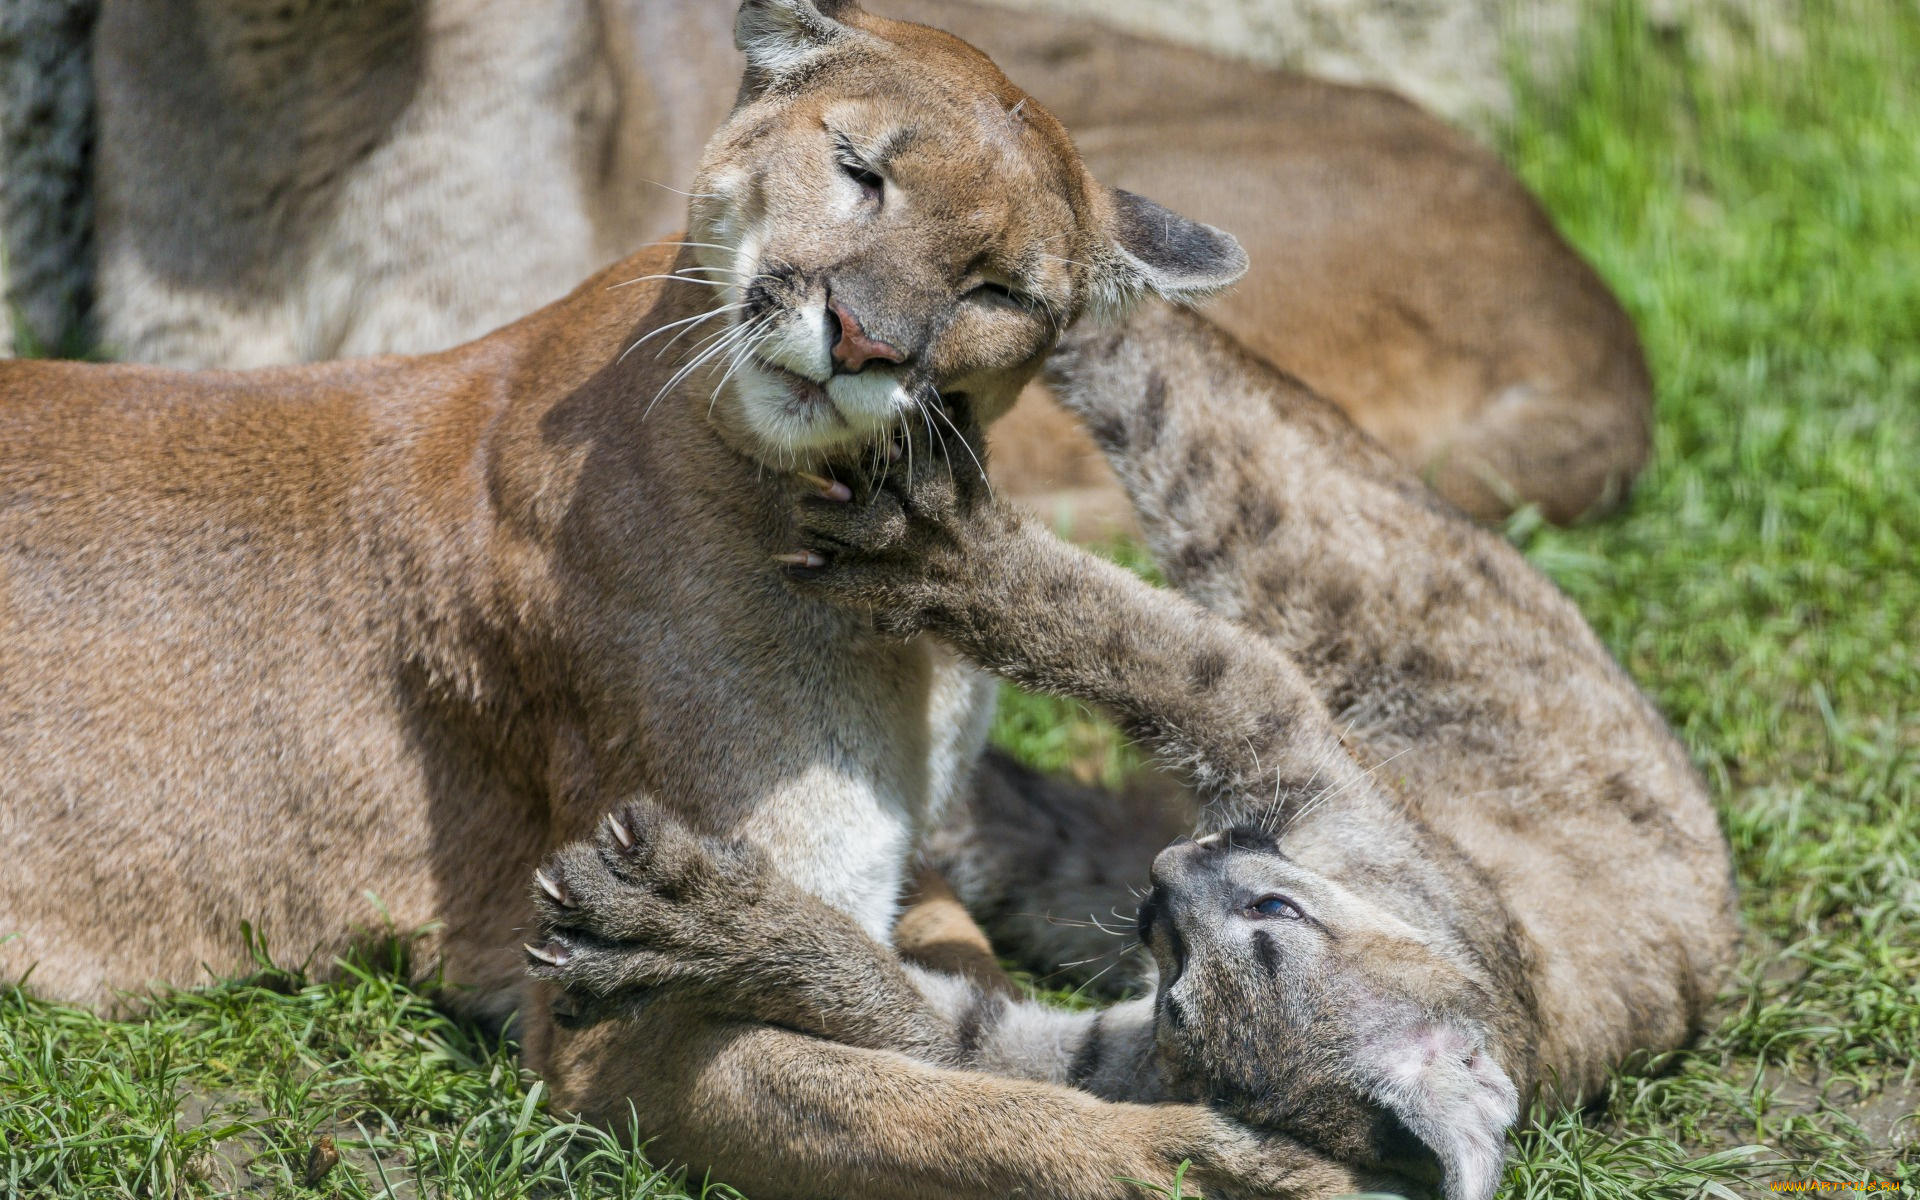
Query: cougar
[278, 183]
[273, 640]
[1450, 860]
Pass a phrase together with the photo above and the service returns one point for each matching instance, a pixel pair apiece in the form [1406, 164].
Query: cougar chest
[894, 740]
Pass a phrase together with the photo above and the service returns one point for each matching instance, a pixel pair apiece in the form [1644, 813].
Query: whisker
[700, 245]
[674, 278]
[742, 351]
[977, 464]
[693, 320]
[926, 422]
[711, 350]
[689, 195]
[717, 345]
[1329, 793]
[1063, 968]
[1095, 977]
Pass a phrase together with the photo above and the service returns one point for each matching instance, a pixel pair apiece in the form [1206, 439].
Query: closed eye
[1000, 293]
[1276, 907]
[873, 185]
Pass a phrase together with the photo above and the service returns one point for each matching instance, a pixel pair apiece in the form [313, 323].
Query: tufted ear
[1446, 1089]
[1167, 253]
[778, 36]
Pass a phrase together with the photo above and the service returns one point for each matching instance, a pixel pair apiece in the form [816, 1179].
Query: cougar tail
[46, 193]
[1054, 870]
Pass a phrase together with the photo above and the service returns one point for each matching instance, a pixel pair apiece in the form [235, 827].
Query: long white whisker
[693, 320]
[1328, 793]
[698, 360]
[689, 195]
[926, 423]
[742, 351]
[701, 246]
[715, 341]
[674, 278]
[977, 464]
[1095, 977]
[716, 346]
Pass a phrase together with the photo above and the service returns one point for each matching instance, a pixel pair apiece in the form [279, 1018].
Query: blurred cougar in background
[276, 182]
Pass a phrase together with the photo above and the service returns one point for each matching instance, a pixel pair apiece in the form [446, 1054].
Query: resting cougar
[290, 182]
[1525, 885]
[273, 640]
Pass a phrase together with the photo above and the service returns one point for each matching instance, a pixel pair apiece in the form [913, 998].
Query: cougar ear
[1167, 253]
[778, 36]
[1446, 1089]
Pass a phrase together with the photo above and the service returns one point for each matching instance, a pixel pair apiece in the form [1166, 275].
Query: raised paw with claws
[896, 541]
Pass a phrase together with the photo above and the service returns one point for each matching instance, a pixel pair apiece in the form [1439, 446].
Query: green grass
[1762, 221]
[1760, 214]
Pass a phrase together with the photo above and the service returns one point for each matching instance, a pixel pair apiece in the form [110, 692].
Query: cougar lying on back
[271, 641]
[1503, 877]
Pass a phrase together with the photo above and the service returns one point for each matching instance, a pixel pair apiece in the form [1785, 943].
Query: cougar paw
[890, 543]
[645, 903]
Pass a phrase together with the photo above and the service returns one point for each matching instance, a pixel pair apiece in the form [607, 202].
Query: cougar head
[892, 222]
[1305, 1009]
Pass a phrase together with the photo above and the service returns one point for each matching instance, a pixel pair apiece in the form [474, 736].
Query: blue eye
[1277, 906]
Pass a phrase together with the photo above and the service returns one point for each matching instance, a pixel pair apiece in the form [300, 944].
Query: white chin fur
[870, 400]
[856, 414]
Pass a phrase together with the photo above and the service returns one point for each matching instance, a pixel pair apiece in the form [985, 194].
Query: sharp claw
[832, 489]
[801, 558]
[552, 887]
[621, 833]
[555, 956]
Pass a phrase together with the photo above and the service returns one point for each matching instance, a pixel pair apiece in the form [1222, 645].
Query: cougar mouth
[804, 395]
[1153, 913]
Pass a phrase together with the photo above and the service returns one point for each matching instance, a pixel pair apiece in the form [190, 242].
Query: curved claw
[552, 888]
[621, 833]
[553, 956]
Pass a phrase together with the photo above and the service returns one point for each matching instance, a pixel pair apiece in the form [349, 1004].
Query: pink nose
[853, 349]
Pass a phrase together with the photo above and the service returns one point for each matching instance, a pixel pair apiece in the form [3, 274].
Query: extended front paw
[643, 905]
[897, 544]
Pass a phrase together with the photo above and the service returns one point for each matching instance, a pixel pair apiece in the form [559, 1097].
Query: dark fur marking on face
[1267, 950]
[1270, 725]
[1175, 497]
[1338, 600]
[1253, 839]
[1197, 557]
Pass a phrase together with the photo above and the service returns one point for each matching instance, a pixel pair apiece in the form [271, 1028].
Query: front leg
[648, 908]
[753, 1017]
[928, 548]
[784, 1116]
